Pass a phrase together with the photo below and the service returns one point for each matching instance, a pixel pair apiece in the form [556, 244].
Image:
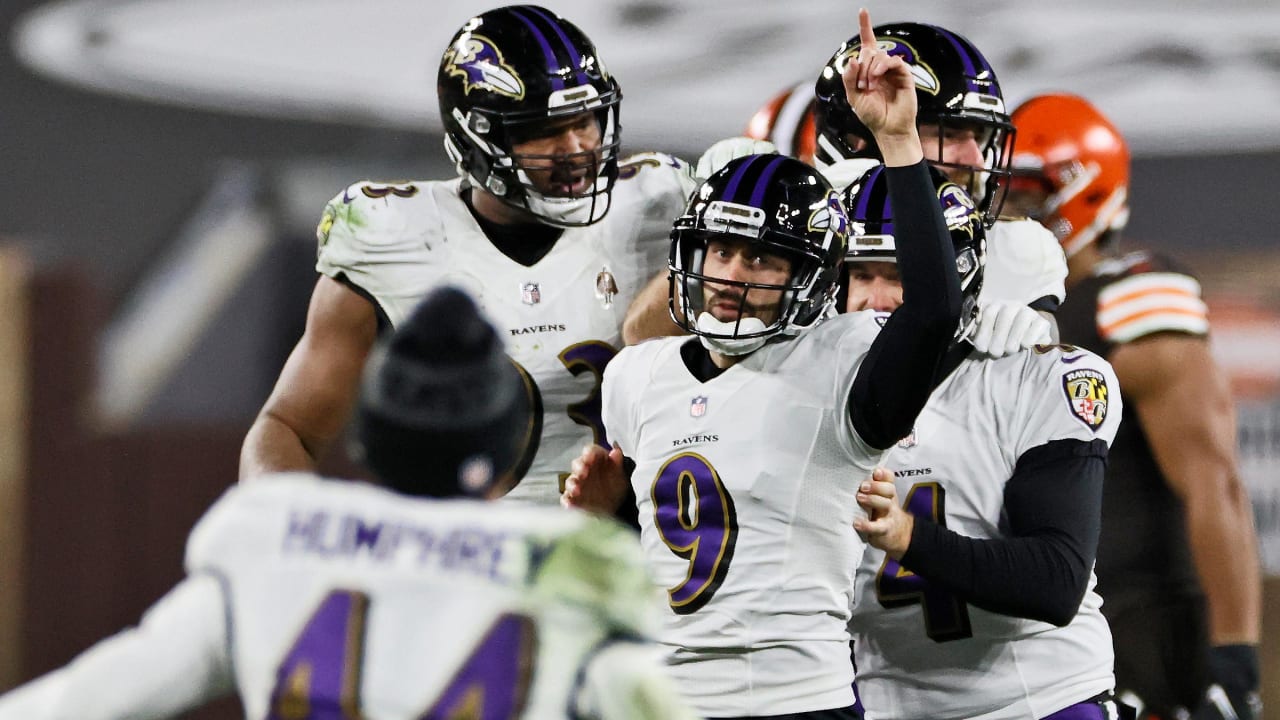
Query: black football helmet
[955, 88]
[790, 210]
[506, 74]
[871, 235]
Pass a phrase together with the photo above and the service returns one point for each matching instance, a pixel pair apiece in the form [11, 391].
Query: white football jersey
[920, 651]
[561, 318]
[321, 598]
[745, 488]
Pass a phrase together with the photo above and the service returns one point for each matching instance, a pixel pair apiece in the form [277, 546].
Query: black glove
[1233, 691]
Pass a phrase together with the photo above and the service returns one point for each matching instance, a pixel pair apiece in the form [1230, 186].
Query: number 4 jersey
[561, 318]
[921, 652]
[326, 599]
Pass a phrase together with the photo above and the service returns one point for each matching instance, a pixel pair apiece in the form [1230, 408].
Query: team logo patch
[326, 224]
[477, 60]
[1086, 391]
[530, 293]
[698, 406]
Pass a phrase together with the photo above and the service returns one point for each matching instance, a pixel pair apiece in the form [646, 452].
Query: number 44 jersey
[326, 599]
[560, 318]
[921, 651]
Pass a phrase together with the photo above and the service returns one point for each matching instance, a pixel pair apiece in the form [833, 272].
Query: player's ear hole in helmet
[780, 209]
[518, 74]
[957, 93]
[872, 238]
[443, 411]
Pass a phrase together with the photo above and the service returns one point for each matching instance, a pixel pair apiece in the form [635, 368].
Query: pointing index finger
[867, 36]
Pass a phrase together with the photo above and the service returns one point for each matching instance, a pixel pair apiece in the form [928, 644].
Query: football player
[966, 133]
[983, 605]
[739, 438]
[318, 598]
[545, 225]
[1178, 562]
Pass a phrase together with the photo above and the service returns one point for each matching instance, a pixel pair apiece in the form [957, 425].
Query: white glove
[1004, 328]
[722, 151]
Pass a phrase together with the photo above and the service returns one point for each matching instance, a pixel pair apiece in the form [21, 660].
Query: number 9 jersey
[560, 317]
[745, 489]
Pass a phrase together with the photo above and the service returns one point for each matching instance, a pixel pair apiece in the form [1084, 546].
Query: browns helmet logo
[1086, 391]
[476, 60]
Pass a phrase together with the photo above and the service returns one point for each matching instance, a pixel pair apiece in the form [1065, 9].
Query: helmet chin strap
[732, 346]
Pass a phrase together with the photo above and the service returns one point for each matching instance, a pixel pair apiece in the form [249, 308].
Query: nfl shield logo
[530, 294]
[698, 407]
[909, 441]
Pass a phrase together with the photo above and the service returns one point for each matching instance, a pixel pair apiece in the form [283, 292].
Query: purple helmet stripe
[757, 194]
[886, 213]
[553, 65]
[575, 55]
[974, 63]
[731, 189]
[864, 197]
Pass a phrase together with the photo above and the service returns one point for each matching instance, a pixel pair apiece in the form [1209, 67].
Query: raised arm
[900, 370]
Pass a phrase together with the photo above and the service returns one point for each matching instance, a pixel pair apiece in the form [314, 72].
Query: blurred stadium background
[164, 162]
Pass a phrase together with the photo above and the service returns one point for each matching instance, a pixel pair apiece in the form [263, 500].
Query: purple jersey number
[589, 357]
[319, 678]
[945, 616]
[695, 517]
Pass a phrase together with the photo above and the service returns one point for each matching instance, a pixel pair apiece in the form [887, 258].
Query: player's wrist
[1235, 666]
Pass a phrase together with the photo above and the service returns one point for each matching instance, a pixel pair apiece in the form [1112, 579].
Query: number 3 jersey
[745, 489]
[561, 318]
[920, 651]
[325, 599]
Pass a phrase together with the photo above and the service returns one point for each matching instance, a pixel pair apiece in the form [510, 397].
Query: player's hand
[880, 87]
[722, 151]
[1233, 694]
[887, 526]
[1004, 328]
[597, 481]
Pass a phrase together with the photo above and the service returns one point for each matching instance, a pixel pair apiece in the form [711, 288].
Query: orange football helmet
[1070, 169]
[787, 122]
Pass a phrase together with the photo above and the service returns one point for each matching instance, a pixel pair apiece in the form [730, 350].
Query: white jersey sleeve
[388, 240]
[176, 659]
[1024, 263]
[1078, 397]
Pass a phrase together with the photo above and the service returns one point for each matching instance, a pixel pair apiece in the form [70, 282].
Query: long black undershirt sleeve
[1052, 516]
[902, 366]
